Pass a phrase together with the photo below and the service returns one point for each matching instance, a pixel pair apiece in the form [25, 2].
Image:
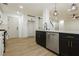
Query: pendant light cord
[55, 6]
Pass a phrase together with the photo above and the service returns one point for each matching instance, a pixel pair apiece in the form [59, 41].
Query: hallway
[25, 47]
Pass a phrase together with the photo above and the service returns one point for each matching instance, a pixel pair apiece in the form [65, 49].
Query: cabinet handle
[68, 43]
[71, 43]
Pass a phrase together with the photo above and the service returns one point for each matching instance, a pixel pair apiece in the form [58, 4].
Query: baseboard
[22, 37]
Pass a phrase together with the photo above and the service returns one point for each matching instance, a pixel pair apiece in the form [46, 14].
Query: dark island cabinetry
[41, 38]
[68, 44]
[64, 44]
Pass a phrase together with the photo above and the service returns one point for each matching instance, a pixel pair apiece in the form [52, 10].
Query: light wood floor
[25, 47]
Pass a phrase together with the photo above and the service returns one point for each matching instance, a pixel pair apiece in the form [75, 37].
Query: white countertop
[72, 32]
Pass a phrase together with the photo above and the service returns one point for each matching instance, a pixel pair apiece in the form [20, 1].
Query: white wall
[32, 25]
[24, 26]
[40, 25]
[54, 25]
[45, 17]
[71, 25]
[61, 25]
[23, 30]
[36, 23]
[22, 23]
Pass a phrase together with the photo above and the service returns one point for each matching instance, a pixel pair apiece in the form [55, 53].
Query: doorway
[31, 28]
[12, 27]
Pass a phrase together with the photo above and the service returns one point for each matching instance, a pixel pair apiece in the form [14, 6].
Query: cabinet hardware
[51, 33]
[70, 37]
[68, 43]
[71, 43]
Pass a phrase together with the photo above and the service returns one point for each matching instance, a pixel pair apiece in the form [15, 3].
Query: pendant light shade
[55, 13]
[73, 7]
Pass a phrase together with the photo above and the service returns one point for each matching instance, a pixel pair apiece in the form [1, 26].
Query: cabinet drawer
[69, 36]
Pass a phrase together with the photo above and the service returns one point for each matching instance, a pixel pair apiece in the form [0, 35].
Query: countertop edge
[59, 31]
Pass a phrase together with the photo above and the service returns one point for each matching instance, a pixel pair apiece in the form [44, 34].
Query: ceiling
[36, 9]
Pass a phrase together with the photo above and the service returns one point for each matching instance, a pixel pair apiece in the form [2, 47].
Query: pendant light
[55, 13]
[73, 7]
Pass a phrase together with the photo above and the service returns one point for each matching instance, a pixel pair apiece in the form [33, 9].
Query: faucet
[45, 26]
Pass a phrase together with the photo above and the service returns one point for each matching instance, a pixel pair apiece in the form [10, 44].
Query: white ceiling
[36, 9]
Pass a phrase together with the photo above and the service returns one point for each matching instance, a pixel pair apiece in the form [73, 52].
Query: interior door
[31, 28]
[12, 27]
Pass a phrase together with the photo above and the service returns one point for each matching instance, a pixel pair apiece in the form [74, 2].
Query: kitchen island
[64, 43]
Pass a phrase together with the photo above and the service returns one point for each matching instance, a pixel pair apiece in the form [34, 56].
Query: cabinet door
[38, 37]
[41, 38]
[64, 49]
[75, 47]
[64, 44]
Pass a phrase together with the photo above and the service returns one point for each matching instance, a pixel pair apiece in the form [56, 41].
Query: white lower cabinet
[1, 43]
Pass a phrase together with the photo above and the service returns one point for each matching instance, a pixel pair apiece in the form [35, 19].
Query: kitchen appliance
[52, 41]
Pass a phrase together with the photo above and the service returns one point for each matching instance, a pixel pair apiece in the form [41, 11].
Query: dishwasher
[52, 41]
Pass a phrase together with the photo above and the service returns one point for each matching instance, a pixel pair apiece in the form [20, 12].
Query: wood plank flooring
[25, 47]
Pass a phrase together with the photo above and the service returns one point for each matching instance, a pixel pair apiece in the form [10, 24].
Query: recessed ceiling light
[21, 7]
